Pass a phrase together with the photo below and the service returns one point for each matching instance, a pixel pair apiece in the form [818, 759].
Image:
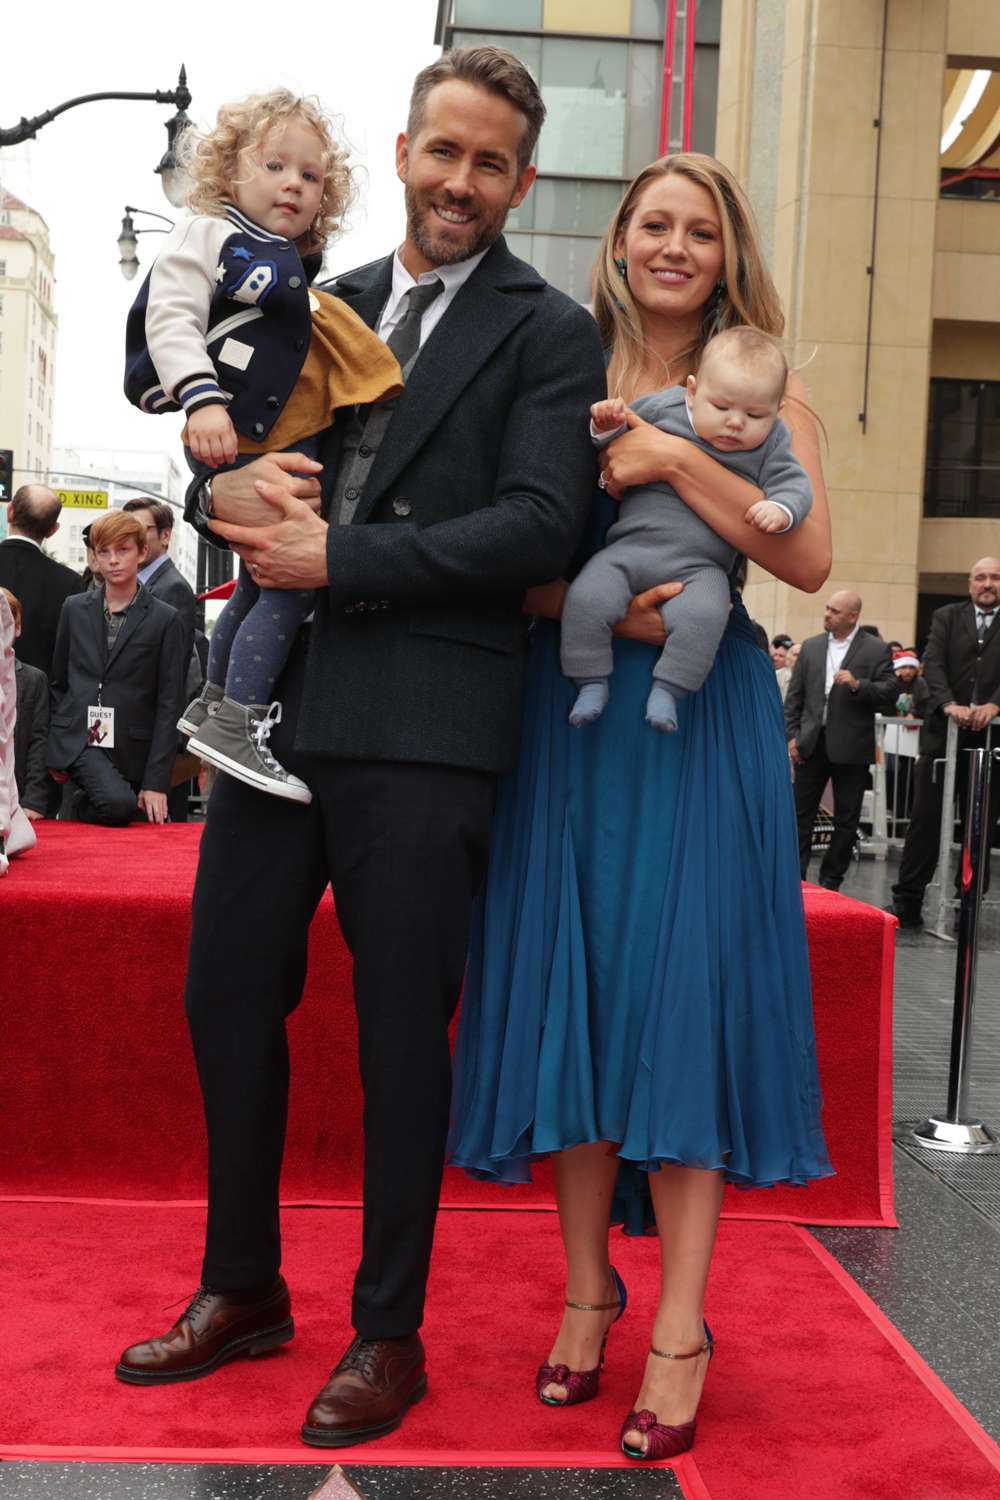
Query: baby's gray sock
[591, 701]
[661, 706]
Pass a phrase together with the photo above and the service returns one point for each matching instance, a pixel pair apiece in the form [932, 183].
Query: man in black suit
[842, 679]
[400, 707]
[962, 673]
[164, 580]
[119, 652]
[38, 581]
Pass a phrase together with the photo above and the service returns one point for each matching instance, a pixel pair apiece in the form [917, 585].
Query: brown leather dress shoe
[214, 1327]
[368, 1393]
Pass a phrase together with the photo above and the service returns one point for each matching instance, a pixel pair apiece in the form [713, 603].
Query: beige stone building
[867, 132]
[28, 329]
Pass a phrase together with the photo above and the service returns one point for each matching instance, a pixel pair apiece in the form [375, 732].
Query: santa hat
[905, 659]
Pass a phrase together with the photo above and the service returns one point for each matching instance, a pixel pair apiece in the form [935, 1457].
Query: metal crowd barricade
[897, 737]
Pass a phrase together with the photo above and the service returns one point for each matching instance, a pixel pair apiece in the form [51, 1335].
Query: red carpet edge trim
[417, 1458]
[958, 1413]
[883, 1129]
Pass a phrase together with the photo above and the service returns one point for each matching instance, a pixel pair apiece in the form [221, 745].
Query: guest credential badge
[101, 727]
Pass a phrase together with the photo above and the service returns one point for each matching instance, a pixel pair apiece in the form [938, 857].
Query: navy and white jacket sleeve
[176, 308]
[223, 316]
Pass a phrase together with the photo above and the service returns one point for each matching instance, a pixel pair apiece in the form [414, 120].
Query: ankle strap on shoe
[594, 1306]
[706, 1347]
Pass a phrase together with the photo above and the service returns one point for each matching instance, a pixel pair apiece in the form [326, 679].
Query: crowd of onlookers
[103, 663]
[834, 684]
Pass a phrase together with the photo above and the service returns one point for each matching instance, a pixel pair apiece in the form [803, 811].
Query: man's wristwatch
[205, 498]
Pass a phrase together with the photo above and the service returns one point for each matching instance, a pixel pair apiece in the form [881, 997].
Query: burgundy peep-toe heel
[663, 1441]
[581, 1385]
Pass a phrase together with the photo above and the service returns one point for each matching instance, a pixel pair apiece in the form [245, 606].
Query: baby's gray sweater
[658, 514]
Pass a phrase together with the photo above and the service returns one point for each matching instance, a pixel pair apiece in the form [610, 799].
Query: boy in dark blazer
[842, 679]
[401, 705]
[121, 651]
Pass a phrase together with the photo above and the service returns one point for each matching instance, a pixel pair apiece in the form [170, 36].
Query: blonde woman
[638, 989]
[227, 328]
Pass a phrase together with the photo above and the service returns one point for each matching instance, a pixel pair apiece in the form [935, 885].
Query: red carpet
[808, 1394]
[100, 1091]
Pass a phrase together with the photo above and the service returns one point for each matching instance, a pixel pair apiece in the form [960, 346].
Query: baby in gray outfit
[730, 410]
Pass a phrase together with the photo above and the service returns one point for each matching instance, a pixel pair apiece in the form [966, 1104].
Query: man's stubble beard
[489, 229]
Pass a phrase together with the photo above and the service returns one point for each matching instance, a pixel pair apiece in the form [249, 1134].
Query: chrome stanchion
[956, 1132]
[940, 925]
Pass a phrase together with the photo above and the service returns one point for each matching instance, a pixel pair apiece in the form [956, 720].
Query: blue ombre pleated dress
[638, 970]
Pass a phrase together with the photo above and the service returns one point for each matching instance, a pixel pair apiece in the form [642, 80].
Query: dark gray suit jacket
[169, 584]
[850, 716]
[41, 584]
[956, 670]
[142, 680]
[481, 488]
[31, 733]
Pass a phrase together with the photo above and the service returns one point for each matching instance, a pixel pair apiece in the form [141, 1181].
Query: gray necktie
[404, 340]
[983, 622]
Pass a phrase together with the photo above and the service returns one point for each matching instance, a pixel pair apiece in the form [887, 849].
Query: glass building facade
[599, 64]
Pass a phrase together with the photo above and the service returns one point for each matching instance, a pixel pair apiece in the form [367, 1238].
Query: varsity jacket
[222, 316]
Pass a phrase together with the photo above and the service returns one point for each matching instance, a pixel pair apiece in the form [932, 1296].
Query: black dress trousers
[920, 849]
[849, 783]
[404, 846]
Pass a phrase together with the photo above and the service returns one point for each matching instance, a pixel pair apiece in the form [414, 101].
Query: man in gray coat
[842, 679]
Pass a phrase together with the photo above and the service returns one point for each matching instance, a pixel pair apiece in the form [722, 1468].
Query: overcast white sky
[86, 165]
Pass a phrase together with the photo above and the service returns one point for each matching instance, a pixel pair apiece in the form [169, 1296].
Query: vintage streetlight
[128, 258]
[171, 174]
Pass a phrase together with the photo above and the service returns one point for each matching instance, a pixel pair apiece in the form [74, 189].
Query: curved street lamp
[128, 257]
[173, 179]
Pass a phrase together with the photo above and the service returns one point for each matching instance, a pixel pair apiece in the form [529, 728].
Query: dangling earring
[620, 263]
[720, 293]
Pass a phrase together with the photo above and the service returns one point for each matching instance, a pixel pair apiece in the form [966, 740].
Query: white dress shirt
[835, 653]
[454, 278]
[146, 573]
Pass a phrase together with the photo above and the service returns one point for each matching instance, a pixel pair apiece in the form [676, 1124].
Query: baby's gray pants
[600, 596]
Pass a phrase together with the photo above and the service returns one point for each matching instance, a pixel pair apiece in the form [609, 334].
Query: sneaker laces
[261, 733]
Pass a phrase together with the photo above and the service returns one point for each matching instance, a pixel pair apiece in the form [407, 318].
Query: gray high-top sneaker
[234, 738]
[196, 712]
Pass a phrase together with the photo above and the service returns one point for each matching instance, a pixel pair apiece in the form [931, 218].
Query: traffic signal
[6, 474]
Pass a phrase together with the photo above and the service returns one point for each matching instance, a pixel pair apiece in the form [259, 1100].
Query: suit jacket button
[300, 344]
[401, 507]
[273, 402]
[295, 282]
[258, 428]
[351, 493]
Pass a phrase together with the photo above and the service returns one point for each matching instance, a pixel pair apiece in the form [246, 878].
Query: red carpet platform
[811, 1392]
[100, 1091]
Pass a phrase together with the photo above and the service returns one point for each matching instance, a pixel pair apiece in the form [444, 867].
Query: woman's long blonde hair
[749, 295]
[214, 159]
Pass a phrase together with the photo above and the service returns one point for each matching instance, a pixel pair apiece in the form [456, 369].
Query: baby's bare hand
[607, 415]
[211, 436]
[767, 517]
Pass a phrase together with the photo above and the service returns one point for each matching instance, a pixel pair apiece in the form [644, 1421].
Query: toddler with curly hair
[227, 328]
